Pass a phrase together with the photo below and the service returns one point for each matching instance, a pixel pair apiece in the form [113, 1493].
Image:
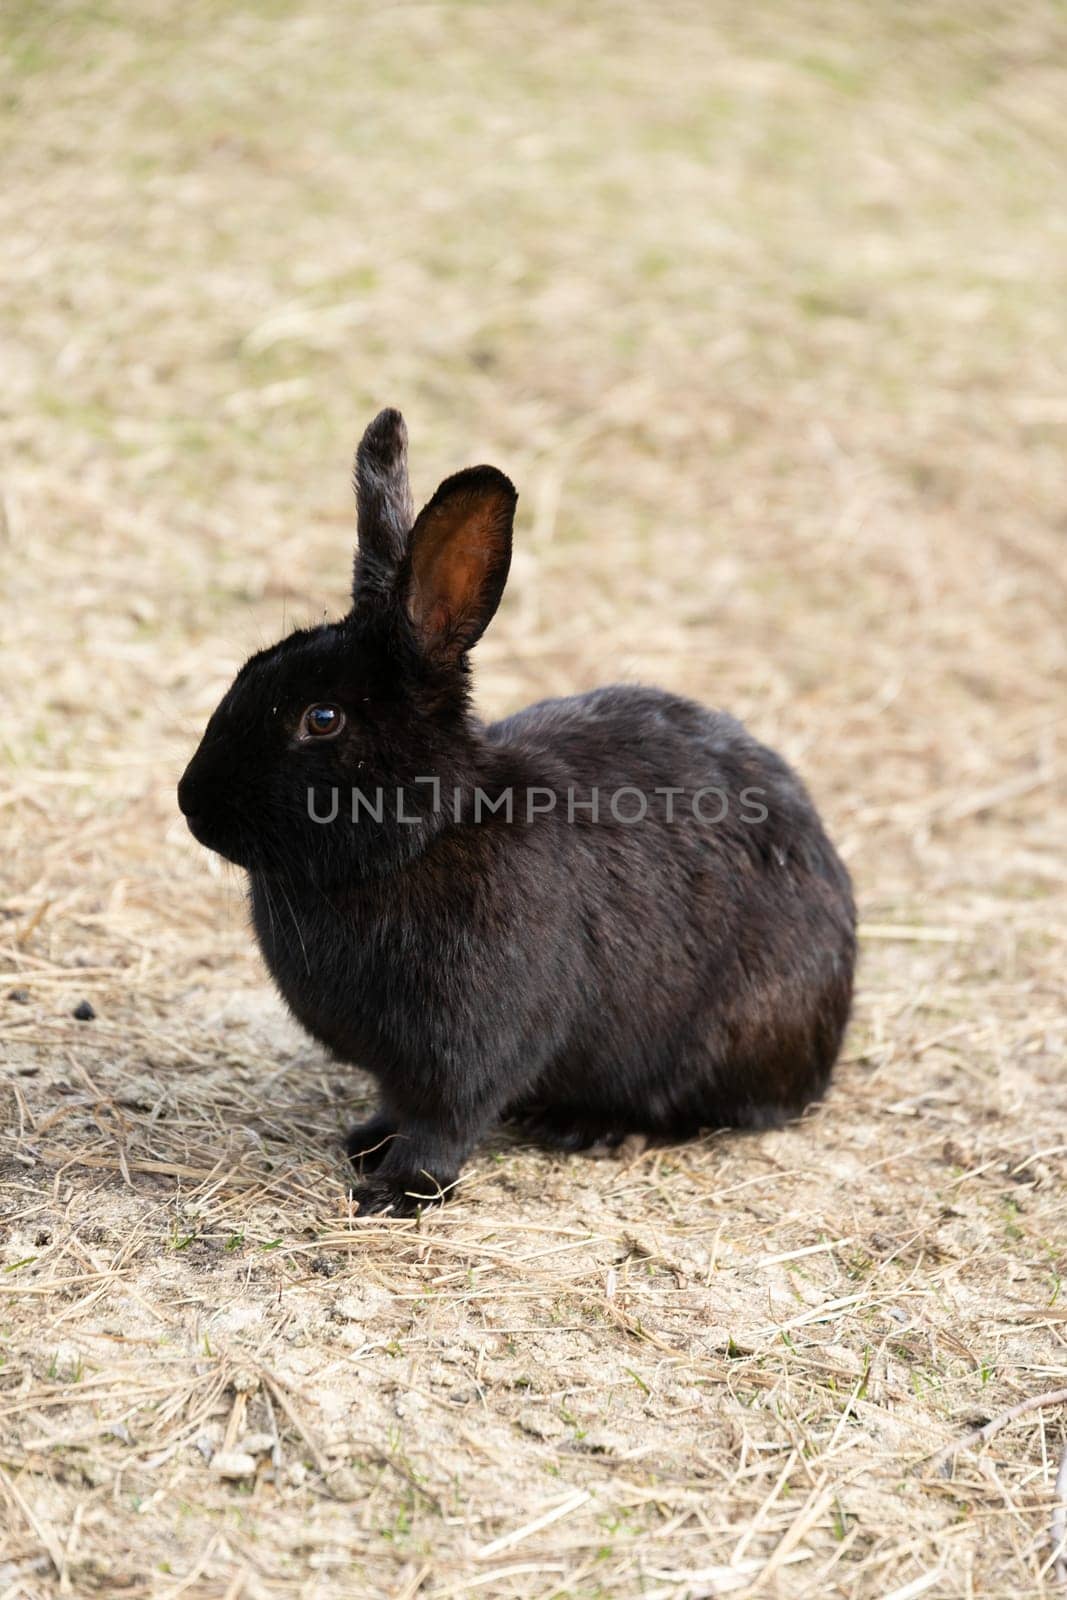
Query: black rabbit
[607, 914]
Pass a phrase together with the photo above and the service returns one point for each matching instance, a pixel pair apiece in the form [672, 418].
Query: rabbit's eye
[321, 722]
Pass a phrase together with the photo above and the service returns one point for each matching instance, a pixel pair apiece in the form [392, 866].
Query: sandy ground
[764, 310]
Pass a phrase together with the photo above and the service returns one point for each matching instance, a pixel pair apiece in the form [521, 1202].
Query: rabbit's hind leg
[563, 1128]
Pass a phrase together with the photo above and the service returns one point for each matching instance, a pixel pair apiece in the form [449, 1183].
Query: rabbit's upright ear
[459, 558]
[384, 509]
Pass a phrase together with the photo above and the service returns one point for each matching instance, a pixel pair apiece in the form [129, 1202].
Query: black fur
[589, 978]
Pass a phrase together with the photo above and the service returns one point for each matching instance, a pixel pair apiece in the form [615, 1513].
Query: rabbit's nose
[193, 798]
[194, 821]
[186, 804]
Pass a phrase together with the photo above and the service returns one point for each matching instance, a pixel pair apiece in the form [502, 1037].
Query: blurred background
[764, 310]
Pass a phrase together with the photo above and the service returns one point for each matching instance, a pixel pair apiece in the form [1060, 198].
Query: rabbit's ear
[384, 509]
[460, 554]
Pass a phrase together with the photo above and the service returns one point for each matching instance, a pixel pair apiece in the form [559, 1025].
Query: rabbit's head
[338, 718]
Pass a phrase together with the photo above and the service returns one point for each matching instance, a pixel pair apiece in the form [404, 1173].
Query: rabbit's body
[489, 946]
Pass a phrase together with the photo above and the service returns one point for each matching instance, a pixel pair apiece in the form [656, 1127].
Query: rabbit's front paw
[396, 1196]
[368, 1143]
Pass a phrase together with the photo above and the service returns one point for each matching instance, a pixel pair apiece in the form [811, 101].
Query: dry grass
[764, 308]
